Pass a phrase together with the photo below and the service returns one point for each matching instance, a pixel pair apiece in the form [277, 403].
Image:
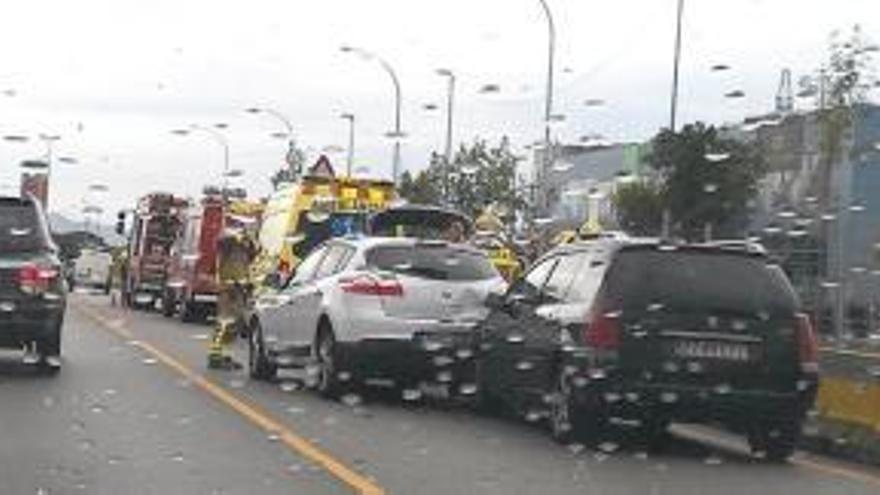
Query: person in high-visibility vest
[235, 252]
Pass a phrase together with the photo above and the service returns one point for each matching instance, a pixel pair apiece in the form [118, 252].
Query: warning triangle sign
[322, 168]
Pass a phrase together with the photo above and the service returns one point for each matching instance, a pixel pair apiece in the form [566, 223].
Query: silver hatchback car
[373, 308]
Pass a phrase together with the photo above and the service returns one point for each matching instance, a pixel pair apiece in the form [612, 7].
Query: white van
[92, 269]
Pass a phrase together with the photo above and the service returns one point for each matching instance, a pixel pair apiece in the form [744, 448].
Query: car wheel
[188, 311]
[49, 350]
[568, 421]
[776, 440]
[325, 352]
[486, 401]
[260, 366]
[168, 304]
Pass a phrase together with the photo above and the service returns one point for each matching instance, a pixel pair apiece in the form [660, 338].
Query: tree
[706, 181]
[479, 175]
[426, 187]
[639, 207]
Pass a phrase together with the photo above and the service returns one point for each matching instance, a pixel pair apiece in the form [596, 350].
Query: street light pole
[397, 134]
[48, 139]
[349, 162]
[449, 107]
[676, 59]
[220, 139]
[548, 101]
[288, 126]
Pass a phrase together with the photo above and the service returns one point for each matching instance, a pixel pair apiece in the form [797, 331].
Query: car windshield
[313, 230]
[432, 262]
[707, 281]
[20, 230]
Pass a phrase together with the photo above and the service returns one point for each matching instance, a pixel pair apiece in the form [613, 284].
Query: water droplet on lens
[712, 460]
[351, 400]
[48, 401]
[343, 376]
[97, 408]
[295, 410]
[515, 338]
[668, 397]
[576, 448]
[273, 437]
[444, 377]
[288, 386]
[86, 444]
[149, 361]
[467, 389]
[722, 389]
[463, 354]
[177, 457]
[608, 447]
[524, 366]
[441, 361]
[412, 394]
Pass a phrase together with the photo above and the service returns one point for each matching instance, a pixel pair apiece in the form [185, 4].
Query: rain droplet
[273, 437]
[597, 373]
[295, 410]
[351, 400]
[467, 389]
[717, 157]
[580, 381]
[464, 354]
[524, 366]
[441, 361]
[611, 397]
[344, 376]
[288, 386]
[412, 394]
[668, 397]
[608, 447]
[97, 408]
[722, 389]
[444, 377]
[515, 338]
[48, 401]
[149, 361]
[712, 460]
[533, 416]
[576, 448]
[177, 457]
[695, 367]
[236, 383]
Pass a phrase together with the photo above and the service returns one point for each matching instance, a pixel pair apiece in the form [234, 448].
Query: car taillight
[35, 279]
[603, 329]
[366, 285]
[808, 347]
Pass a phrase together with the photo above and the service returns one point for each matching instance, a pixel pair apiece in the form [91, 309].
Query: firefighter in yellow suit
[235, 252]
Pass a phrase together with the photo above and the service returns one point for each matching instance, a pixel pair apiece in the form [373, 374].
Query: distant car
[372, 308]
[652, 333]
[32, 287]
[92, 269]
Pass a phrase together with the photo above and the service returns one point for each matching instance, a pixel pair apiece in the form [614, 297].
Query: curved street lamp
[217, 136]
[288, 134]
[397, 134]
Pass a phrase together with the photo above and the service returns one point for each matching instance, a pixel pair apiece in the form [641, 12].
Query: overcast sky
[114, 77]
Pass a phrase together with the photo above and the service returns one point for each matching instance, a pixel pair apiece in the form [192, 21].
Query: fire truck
[191, 282]
[157, 222]
[191, 288]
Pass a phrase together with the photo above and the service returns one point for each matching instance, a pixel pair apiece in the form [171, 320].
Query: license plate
[707, 349]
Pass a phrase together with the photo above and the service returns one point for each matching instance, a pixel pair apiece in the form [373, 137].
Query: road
[135, 411]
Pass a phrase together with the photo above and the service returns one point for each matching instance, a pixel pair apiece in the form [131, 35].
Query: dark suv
[32, 291]
[645, 334]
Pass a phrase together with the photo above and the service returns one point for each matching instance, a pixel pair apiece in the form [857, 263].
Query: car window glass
[335, 254]
[533, 282]
[588, 279]
[20, 230]
[435, 262]
[560, 280]
[306, 269]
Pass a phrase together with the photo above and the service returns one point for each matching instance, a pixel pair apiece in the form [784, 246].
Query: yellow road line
[251, 412]
[815, 465]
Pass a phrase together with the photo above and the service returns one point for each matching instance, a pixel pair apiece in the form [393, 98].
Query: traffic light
[120, 223]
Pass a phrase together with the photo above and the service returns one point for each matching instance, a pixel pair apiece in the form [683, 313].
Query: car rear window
[437, 262]
[698, 281]
[20, 228]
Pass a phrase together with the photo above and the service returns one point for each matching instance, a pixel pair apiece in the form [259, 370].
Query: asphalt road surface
[135, 411]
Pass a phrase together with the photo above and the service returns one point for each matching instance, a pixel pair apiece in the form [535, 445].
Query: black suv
[645, 333]
[32, 290]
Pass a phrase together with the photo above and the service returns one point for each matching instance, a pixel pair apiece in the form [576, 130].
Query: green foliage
[701, 179]
[480, 174]
[639, 207]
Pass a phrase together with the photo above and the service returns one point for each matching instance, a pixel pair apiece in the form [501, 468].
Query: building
[584, 176]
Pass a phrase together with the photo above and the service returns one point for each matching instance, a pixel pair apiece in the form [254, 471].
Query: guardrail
[847, 419]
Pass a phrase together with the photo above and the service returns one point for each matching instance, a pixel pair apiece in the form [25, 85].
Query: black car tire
[189, 312]
[776, 439]
[485, 401]
[50, 347]
[168, 304]
[260, 365]
[327, 356]
[570, 422]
